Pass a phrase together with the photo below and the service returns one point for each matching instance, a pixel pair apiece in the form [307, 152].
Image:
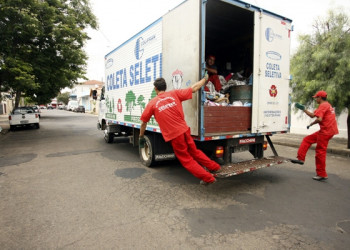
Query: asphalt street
[63, 187]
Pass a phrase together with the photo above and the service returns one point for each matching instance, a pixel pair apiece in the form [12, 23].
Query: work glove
[300, 106]
[206, 76]
[142, 141]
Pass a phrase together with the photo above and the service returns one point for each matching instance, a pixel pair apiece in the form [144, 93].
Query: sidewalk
[4, 124]
[335, 146]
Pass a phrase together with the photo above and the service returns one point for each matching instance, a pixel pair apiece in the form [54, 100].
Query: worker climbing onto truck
[325, 117]
[167, 110]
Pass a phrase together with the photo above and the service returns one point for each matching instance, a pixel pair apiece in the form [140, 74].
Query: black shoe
[319, 178]
[214, 172]
[297, 162]
[206, 183]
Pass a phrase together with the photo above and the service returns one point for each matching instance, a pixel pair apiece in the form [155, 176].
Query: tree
[141, 102]
[130, 99]
[153, 94]
[64, 97]
[41, 46]
[322, 62]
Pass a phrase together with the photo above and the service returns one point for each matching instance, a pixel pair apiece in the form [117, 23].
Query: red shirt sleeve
[184, 94]
[148, 112]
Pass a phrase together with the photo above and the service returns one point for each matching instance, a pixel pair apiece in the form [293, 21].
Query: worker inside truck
[212, 70]
[229, 36]
[220, 83]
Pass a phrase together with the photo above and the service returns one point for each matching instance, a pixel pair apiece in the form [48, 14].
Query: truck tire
[12, 127]
[147, 153]
[37, 126]
[109, 137]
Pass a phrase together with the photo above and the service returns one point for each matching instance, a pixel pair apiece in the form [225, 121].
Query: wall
[301, 120]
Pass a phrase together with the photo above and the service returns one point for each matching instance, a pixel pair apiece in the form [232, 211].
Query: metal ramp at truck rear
[247, 166]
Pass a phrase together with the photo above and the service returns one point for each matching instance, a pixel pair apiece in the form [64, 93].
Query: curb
[342, 152]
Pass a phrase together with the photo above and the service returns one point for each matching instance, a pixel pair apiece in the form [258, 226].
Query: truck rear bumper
[248, 166]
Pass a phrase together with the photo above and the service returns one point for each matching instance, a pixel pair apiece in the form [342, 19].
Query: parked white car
[23, 116]
[61, 106]
[36, 109]
[72, 105]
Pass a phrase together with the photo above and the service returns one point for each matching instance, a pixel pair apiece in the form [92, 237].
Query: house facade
[6, 103]
[87, 94]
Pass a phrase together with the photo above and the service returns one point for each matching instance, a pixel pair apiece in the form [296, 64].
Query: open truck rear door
[271, 73]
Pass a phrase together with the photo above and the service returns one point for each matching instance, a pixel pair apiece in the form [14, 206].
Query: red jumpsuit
[167, 109]
[328, 128]
[214, 78]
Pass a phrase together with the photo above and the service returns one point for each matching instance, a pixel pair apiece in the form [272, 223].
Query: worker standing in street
[167, 110]
[325, 117]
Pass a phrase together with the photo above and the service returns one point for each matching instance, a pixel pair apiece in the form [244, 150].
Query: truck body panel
[271, 74]
[130, 70]
[181, 66]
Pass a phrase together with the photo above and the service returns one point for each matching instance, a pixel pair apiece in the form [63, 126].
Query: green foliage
[322, 62]
[153, 94]
[141, 102]
[110, 105]
[130, 99]
[41, 45]
[64, 97]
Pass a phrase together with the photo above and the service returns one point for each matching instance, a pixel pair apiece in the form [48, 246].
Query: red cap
[212, 56]
[321, 93]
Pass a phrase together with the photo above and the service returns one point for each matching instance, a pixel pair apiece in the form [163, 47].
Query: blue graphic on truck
[139, 48]
[139, 73]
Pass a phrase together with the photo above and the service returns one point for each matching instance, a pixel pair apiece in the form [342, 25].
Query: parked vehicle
[37, 110]
[79, 109]
[71, 105]
[23, 116]
[241, 36]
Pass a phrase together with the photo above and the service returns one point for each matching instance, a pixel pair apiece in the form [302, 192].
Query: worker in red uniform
[213, 73]
[167, 110]
[325, 117]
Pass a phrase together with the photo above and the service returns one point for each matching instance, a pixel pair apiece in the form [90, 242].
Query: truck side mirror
[102, 93]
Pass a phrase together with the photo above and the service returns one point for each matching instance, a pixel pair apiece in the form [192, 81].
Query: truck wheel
[147, 153]
[109, 137]
[12, 128]
[37, 126]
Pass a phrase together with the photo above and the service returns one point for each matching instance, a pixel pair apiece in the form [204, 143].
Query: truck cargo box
[251, 46]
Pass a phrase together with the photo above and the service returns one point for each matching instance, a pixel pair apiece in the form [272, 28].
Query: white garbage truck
[252, 50]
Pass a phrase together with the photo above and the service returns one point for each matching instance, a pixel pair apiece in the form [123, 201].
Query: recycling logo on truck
[270, 35]
[141, 44]
[119, 106]
[273, 91]
[138, 48]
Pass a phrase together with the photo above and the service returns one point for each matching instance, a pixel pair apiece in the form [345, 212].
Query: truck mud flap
[248, 166]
